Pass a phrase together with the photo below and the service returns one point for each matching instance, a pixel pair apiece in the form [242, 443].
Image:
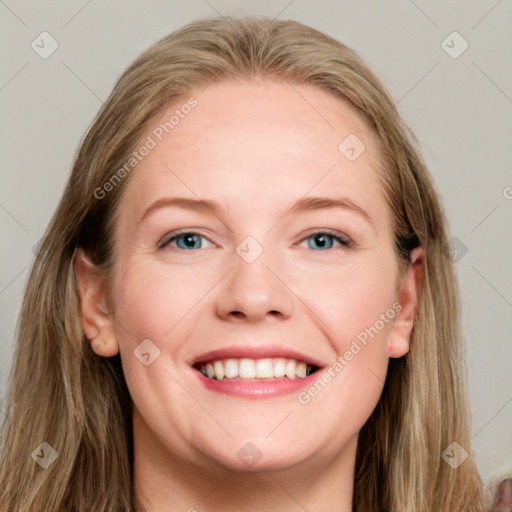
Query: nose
[253, 291]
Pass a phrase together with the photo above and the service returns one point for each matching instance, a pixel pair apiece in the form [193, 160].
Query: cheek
[151, 302]
[353, 297]
[357, 306]
[150, 299]
[355, 302]
[366, 311]
[368, 302]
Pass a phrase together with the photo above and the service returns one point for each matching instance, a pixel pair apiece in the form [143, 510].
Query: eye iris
[193, 241]
[189, 240]
[322, 241]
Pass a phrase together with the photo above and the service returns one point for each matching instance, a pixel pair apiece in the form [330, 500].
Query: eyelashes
[324, 238]
[189, 238]
[192, 241]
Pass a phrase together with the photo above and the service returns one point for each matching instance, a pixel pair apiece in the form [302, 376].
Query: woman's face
[254, 237]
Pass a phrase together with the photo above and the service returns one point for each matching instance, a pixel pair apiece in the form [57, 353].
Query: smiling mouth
[255, 369]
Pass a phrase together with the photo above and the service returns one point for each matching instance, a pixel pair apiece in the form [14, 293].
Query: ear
[97, 322]
[399, 339]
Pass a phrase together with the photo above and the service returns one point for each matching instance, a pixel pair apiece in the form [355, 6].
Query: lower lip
[257, 389]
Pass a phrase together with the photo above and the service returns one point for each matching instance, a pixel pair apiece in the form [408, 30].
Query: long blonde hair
[63, 394]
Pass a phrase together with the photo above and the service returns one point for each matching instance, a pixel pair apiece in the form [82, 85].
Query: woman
[245, 299]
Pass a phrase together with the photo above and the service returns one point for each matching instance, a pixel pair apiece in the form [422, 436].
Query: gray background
[460, 109]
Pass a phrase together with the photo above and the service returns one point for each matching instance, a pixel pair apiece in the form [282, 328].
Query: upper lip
[254, 352]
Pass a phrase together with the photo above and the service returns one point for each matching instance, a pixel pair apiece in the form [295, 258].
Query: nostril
[241, 314]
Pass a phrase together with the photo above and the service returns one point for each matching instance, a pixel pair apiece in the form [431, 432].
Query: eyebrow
[309, 203]
[317, 203]
[197, 205]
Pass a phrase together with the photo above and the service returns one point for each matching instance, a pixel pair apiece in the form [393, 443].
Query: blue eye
[190, 240]
[323, 240]
[187, 240]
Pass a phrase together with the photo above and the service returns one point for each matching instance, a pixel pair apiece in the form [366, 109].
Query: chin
[259, 455]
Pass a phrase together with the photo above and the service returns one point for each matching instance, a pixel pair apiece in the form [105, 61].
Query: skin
[256, 148]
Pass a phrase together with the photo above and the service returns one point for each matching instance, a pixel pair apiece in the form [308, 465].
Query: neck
[170, 482]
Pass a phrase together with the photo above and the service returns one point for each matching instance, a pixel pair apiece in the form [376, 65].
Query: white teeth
[219, 370]
[301, 369]
[256, 369]
[246, 369]
[231, 369]
[280, 369]
[264, 369]
[290, 369]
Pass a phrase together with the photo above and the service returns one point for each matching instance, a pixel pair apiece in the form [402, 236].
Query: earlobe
[399, 339]
[105, 347]
[97, 322]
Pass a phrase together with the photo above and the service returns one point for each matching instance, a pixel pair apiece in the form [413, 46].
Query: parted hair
[87, 420]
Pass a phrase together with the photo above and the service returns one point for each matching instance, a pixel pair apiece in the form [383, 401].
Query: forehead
[243, 142]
